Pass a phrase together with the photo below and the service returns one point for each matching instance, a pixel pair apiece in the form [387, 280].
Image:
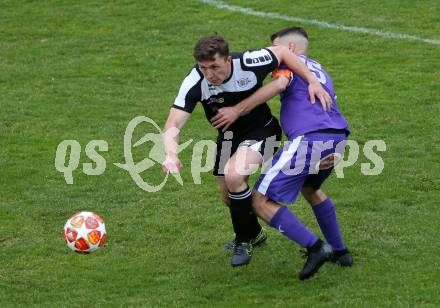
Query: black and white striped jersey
[249, 69]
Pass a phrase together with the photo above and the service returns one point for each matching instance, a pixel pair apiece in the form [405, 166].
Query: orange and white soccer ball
[85, 232]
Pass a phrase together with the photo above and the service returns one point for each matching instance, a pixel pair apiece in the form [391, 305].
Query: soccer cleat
[317, 255]
[242, 254]
[342, 258]
[258, 240]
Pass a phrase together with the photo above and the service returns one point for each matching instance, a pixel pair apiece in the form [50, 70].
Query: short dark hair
[289, 30]
[207, 47]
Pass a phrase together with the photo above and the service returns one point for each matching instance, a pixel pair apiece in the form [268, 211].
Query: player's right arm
[184, 104]
[171, 131]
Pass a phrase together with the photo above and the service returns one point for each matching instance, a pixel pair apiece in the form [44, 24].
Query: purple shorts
[297, 164]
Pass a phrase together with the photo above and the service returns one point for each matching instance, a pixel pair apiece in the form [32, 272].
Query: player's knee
[235, 181]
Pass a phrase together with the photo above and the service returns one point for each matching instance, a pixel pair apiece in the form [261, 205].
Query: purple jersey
[298, 116]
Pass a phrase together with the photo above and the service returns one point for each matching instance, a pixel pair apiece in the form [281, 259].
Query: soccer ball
[85, 232]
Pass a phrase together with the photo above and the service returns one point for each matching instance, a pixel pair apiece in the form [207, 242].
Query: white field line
[318, 23]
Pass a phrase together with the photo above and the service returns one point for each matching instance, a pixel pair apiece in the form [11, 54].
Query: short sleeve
[261, 62]
[189, 93]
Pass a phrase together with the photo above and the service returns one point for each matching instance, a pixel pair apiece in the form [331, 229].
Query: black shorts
[265, 140]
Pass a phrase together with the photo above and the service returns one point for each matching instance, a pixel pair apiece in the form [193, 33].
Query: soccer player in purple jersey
[316, 140]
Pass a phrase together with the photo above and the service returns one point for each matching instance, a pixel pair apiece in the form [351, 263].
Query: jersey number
[317, 69]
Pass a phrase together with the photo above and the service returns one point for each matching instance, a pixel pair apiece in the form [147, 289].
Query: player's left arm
[228, 115]
[284, 55]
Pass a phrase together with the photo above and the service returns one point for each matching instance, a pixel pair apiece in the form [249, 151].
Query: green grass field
[82, 70]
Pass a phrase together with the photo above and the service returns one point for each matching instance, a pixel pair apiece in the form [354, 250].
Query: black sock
[339, 253]
[244, 220]
[315, 247]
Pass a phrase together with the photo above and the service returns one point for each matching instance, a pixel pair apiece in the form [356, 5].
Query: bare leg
[242, 164]
[224, 196]
[313, 196]
[264, 207]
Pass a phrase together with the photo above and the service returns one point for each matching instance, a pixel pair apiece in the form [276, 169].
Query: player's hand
[171, 164]
[329, 161]
[317, 91]
[224, 118]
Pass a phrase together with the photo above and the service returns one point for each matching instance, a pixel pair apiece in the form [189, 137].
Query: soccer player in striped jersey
[316, 138]
[222, 79]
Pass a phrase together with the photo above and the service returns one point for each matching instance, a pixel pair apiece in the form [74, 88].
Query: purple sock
[287, 223]
[326, 216]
